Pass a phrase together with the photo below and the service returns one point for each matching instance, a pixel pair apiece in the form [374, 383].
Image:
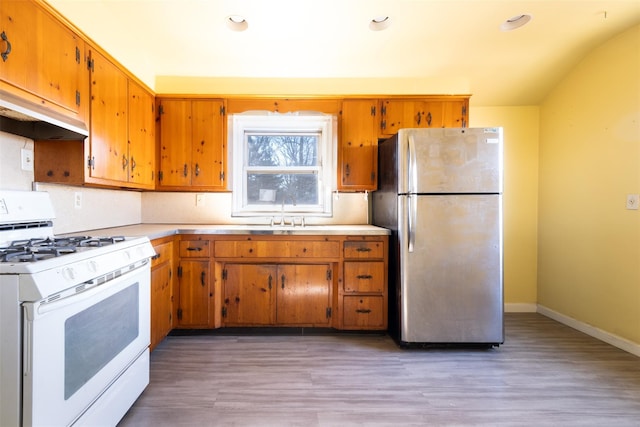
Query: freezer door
[451, 263]
[458, 160]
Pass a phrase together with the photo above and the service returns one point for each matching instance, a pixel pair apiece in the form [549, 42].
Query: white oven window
[93, 337]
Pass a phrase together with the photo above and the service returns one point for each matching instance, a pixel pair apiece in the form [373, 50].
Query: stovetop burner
[30, 250]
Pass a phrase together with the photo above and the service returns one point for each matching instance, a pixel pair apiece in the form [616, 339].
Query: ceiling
[431, 46]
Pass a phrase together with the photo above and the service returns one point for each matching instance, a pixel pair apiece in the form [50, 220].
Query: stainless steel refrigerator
[440, 194]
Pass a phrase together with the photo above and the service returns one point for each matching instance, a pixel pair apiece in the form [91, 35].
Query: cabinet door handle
[347, 170]
[197, 248]
[185, 170]
[156, 256]
[282, 278]
[197, 170]
[363, 310]
[203, 276]
[429, 118]
[364, 276]
[133, 163]
[7, 51]
[270, 280]
[418, 118]
[125, 162]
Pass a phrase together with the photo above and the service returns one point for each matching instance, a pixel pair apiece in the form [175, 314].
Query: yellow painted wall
[520, 200]
[589, 244]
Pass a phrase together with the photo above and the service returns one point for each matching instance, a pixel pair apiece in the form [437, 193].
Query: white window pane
[276, 189]
[282, 150]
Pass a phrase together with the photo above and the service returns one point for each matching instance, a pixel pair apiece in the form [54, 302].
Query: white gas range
[74, 319]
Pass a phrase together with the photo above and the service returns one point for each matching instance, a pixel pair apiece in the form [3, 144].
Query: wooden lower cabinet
[195, 302]
[363, 294]
[277, 294]
[162, 268]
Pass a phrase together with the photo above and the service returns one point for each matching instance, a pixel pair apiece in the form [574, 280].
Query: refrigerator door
[450, 160]
[451, 270]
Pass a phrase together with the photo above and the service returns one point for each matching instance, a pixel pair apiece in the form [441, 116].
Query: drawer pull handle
[156, 256]
[198, 249]
[363, 310]
[7, 51]
[364, 276]
[363, 249]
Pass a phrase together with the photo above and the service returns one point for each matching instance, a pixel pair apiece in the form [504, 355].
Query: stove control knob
[69, 273]
[93, 266]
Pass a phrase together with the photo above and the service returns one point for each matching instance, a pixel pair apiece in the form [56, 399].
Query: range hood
[23, 118]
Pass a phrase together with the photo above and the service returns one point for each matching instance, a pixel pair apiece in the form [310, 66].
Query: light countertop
[155, 231]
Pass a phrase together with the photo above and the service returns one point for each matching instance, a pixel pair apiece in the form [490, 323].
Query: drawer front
[363, 312]
[364, 250]
[276, 249]
[364, 276]
[194, 249]
[163, 253]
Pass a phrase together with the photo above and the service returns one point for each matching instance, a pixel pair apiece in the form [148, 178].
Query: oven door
[76, 347]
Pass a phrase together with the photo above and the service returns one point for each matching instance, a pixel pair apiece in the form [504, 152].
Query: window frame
[240, 125]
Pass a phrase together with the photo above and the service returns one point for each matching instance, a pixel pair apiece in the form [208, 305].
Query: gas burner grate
[29, 250]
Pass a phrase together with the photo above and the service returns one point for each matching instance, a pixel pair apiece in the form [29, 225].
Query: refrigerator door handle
[412, 208]
[412, 172]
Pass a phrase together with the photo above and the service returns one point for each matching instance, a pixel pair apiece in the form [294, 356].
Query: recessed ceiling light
[379, 23]
[237, 23]
[515, 22]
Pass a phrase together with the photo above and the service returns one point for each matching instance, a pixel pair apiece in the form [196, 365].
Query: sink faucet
[293, 202]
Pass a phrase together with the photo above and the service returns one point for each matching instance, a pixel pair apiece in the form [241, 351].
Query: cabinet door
[175, 142]
[208, 151]
[249, 291]
[194, 307]
[358, 152]
[108, 133]
[455, 113]
[141, 136]
[303, 294]
[160, 303]
[42, 56]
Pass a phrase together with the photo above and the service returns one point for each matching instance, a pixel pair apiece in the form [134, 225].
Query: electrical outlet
[632, 201]
[199, 199]
[26, 159]
[77, 200]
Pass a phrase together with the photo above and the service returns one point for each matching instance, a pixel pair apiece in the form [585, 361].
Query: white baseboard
[605, 336]
[520, 308]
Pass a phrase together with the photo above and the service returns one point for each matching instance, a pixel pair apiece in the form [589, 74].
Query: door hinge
[224, 274]
[160, 109]
[221, 176]
[90, 64]
[328, 312]
[224, 311]
[373, 111]
[329, 274]
[222, 110]
[160, 174]
[383, 110]
[77, 54]
[383, 124]
[180, 271]
[78, 98]
[91, 162]
[179, 314]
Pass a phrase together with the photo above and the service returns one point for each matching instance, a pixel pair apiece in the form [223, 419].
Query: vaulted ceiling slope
[439, 46]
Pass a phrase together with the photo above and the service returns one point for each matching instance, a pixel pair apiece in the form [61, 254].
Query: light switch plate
[632, 201]
[26, 159]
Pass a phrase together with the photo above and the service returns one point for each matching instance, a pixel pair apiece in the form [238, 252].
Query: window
[282, 162]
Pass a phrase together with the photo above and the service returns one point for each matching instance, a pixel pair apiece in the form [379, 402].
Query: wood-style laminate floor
[545, 374]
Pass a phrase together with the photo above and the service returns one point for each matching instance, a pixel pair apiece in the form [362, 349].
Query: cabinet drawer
[163, 253]
[363, 312]
[194, 249]
[364, 250]
[276, 249]
[364, 276]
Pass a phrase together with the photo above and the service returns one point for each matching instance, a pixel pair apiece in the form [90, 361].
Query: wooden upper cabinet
[108, 132]
[428, 112]
[142, 139]
[42, 60]
[192, 150]
[358, 145]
